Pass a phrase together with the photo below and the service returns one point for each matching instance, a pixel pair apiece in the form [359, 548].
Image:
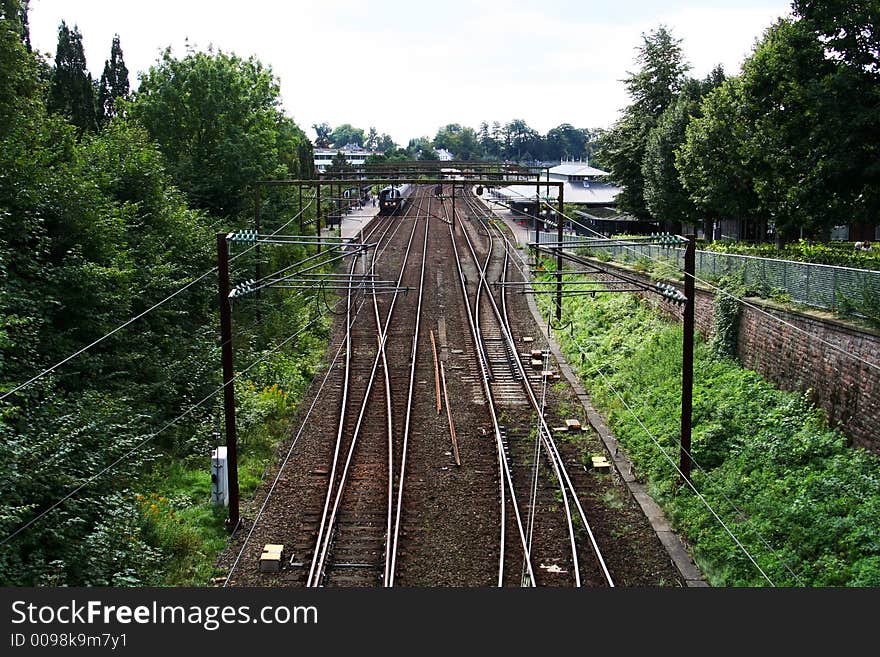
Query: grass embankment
[178, 519]
[806, 505]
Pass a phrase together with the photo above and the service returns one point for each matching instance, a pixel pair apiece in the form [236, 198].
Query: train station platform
[516, 221]
[353, 222]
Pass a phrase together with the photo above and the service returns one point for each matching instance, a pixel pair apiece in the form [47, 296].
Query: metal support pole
[228, 374]
[537, 227]
[318, 195]
[453, 205]
[687, 360]
[559, 260]
[259, 267]
[301, 217]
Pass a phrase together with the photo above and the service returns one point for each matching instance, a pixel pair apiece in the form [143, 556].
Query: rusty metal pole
[687, 360]
[559, 237]
[228, 374]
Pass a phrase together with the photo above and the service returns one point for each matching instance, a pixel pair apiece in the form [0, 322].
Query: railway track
[399, 481]
[356, 536]
[496, 314]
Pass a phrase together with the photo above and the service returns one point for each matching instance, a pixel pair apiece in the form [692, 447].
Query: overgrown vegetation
[104, 462]
[803, 503]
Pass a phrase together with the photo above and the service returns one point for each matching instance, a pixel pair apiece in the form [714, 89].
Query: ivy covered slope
[803, 504]
[104, 462]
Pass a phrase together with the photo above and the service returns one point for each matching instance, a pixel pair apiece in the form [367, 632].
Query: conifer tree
[71, 92]
[113, 85]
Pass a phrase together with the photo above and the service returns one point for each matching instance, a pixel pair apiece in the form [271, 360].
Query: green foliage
[93, 232]
[794, 139]
[218, 122]
[712, 161]
[865, 304]
[665, 196]
[322, 132]
[724, 341]
[461, 142]
[794, 480]
[113, 84]
[841, 254]
[652, 89]
[345, 134]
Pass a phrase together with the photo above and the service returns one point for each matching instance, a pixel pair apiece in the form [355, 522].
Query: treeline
[514, 141]
[109, 204]
[792, 144]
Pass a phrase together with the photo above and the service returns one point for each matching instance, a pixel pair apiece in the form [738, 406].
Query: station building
[584, 186]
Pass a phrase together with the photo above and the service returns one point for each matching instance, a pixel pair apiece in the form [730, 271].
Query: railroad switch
[270, 560]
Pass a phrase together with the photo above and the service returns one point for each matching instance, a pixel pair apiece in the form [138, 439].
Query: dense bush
[93, 232]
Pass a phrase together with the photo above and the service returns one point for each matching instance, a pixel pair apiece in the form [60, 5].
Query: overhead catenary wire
[165, 427]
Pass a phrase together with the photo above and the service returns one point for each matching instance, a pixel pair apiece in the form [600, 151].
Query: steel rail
[407, 421]
[551, 444]
[319, 559]
[323, 525]
[504, 323]
[504, 468]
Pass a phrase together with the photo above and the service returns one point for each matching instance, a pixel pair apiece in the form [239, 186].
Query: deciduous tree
[652, 90]
[217, 119]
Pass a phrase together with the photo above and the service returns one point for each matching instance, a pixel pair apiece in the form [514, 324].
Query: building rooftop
[576, 169]
[587, 192]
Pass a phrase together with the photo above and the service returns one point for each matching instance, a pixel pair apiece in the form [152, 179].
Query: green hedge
[842, 254]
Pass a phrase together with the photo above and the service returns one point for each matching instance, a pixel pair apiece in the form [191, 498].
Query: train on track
[393, 198]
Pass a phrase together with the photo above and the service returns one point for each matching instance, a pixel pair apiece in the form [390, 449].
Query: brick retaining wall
[847, 389]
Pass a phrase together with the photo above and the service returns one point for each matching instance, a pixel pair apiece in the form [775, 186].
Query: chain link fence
[820, 286]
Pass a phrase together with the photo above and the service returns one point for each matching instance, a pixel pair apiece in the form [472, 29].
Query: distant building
[353, 154]
[584, 185]
[443, 155]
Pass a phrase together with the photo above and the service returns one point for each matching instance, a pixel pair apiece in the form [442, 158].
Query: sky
[408, 67]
